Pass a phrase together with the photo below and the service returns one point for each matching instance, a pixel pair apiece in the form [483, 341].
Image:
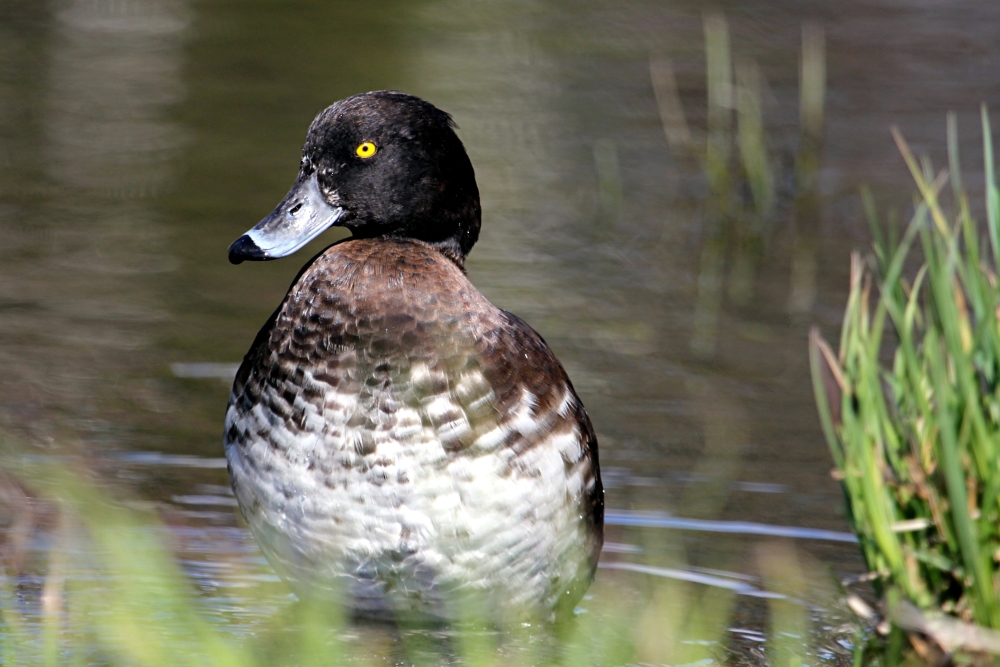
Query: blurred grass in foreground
[910, 407]
[103, 586]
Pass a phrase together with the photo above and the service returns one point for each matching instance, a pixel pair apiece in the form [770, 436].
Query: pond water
[139, 139]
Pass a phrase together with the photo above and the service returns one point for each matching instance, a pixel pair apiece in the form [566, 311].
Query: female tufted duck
[392, 436]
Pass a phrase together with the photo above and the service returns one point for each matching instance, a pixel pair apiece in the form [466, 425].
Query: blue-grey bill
[301, 216]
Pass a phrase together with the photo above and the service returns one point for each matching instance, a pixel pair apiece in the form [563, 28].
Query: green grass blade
[992, 196]
[954, 164]
[985, 613]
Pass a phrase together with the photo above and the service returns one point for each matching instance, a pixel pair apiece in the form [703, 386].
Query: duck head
[382, 164]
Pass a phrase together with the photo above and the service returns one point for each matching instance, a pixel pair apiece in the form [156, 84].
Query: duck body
[395, 438]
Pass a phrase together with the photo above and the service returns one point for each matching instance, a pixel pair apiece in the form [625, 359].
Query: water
[138, 139]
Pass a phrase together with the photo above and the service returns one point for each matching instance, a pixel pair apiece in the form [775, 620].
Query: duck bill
[301, 216]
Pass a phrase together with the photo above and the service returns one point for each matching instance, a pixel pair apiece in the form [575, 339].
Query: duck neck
[450, 249]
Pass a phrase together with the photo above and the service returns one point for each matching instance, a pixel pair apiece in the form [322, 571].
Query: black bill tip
[245, 249]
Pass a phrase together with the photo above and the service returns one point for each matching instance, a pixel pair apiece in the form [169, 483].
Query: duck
[393, 438]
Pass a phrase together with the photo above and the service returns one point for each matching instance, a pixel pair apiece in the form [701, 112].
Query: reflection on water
[660, 520]
[137, 139]
[88, 154]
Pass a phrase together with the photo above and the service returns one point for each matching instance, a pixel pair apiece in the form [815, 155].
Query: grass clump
[910, 405]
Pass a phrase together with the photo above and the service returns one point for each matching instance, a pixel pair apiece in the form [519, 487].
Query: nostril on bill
[295, 209]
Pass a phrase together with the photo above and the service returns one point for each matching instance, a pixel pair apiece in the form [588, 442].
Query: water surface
[138, 139]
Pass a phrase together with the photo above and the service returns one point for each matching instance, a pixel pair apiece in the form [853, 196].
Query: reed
[910, 403]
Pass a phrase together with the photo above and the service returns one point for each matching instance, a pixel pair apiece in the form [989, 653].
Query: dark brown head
[382, 164]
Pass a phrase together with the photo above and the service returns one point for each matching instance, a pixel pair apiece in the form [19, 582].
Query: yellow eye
[366, 149]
